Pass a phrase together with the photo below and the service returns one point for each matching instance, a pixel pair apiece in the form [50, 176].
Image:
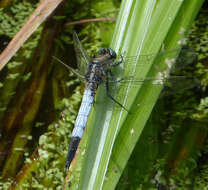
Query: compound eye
[102, 51]
[112, 53]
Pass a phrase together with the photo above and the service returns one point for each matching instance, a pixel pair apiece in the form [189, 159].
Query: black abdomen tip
[74, 142]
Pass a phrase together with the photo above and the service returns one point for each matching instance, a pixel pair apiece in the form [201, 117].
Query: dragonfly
[99, 70]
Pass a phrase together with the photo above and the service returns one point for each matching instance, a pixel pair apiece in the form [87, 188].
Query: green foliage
[93, 35]
[48, 169]
[13, 19]
[199, 34]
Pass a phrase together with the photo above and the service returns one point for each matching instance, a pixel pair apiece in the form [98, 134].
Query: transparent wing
[78, 74]
[81, 55]
[183, 56]
[168, 63]
[170, 73]
[170, 86]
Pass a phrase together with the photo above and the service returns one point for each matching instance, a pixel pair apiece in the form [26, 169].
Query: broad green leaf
[95, 164]
[169, 24]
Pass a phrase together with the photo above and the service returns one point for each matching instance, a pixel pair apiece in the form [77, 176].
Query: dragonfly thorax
[95, 75]
[105, 56]
[99, 68]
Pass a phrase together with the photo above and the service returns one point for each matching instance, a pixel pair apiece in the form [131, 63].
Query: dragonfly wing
[179, 85]
[178, 58]
[169, 87]
[178, 82]
[166, 64]
[81, 77]
[169, 72]
[186, 57]
[81, 55]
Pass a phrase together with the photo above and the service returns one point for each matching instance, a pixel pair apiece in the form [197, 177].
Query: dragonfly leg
[111, 97]
[119, 62]
[111, 74]
[114, 77]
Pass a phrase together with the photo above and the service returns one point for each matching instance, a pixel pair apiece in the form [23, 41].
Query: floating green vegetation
[13, 18]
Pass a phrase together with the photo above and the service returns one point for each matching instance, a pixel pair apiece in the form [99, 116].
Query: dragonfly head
[107, 51]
